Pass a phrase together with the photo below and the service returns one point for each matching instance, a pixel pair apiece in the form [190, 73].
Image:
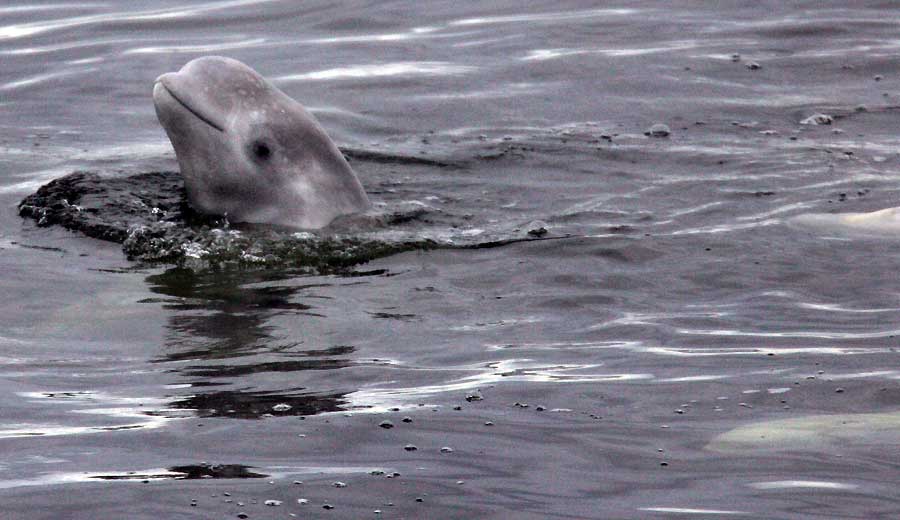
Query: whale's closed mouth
[196, 113]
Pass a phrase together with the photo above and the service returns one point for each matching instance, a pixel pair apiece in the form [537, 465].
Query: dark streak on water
[687, 354]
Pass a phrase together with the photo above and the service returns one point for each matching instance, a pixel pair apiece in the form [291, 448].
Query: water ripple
[544, 17]
[380, 399]
[157, 415]
[42, 78]
[46, 7]
[791, 334]
[416, 32]
[692, 511]
[549, 54]
[407, 68]
[211, 47]
[641, 347]
[16, 31]
[833, 307]
[802, 484]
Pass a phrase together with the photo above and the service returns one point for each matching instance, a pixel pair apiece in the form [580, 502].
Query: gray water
[686, 354]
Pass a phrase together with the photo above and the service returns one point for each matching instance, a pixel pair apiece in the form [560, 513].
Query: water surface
[687, 353]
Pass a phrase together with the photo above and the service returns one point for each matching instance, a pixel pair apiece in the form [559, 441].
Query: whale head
[248, 151]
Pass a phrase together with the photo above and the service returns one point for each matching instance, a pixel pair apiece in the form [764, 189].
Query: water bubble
[410, 447]
[339, 484]
[407, 419]
[387, 425]
[818, 119]
[658, 130]
[302, 501]
[272, 503]
[537, 228]
[754, 66]
[475, 396]
[327, 506]
[243, 515]
[281, 407]
[446, 449]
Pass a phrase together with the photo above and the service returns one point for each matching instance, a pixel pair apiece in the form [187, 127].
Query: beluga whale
[248, 151]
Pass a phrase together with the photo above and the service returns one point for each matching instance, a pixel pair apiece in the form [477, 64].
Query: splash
[149, 215]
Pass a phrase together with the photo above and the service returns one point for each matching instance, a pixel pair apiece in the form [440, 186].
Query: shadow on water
[219, 335]
[197, 471]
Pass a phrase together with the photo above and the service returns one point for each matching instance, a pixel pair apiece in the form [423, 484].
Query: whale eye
[261, 150]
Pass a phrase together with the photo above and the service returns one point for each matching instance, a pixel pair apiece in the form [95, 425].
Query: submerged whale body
[248, 151]
[884, 222]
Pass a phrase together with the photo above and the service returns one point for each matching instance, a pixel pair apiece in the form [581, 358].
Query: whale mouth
[196, 113]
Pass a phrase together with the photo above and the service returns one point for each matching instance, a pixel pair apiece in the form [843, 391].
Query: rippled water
[689, 352]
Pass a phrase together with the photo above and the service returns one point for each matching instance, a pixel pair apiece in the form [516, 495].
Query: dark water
[687, 355]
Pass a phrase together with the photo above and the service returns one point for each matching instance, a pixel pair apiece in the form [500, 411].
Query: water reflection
[223, 315]
[221, 335]
[255, 405]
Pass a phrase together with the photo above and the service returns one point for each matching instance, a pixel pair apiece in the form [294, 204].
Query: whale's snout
[160, 88]
[170, 91]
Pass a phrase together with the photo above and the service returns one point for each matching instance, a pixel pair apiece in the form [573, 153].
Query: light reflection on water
[381, 70]
[375, 399]
[803, 484]
[31, 29]
[34, 80]
[198, 48]
[545, 17]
